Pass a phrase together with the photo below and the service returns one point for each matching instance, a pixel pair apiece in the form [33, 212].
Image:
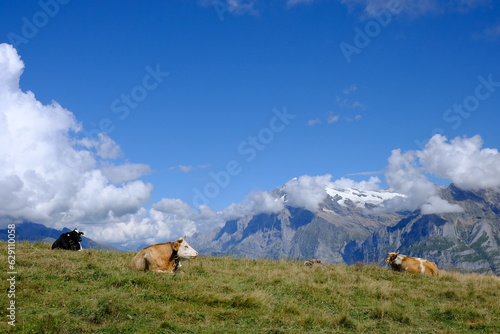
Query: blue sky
[192, 89]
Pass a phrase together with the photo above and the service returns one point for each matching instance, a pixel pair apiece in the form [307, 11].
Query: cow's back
[418, 265]
[60, 244]
[69, 241]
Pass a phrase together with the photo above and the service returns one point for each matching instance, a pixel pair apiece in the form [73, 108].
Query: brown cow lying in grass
[400, 262]
[312, 263]
[163, 257]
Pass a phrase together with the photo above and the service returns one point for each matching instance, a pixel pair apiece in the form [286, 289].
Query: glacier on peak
[361, 197]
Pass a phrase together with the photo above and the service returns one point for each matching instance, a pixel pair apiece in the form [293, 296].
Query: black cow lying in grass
[69, 241]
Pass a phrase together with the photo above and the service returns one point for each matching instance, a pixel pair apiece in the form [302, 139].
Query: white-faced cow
[69, 241]
[163, 257]
[400, 262]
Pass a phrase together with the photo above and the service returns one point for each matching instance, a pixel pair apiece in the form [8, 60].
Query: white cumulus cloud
[167, 220]
[51, 174]
[307, 191]
[343, 183]
[255, 203]
[436, 205]
[463, 161]
[174, 206]
[48, 173]
[118, 174]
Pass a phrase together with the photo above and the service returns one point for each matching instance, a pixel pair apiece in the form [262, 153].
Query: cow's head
[184, 251]
[75, 235]
[72, 240]
[391, 257]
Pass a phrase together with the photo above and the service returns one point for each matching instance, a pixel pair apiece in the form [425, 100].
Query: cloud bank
[259, 202]
[463, 161]
[372, 184]
[406, 177]
[51, 174]
[307, 191]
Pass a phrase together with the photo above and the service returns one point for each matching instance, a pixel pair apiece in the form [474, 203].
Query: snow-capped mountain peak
[361, 197]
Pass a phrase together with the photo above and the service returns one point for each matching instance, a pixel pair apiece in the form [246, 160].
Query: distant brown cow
[400, 262]
[311, 263]
[163, 257]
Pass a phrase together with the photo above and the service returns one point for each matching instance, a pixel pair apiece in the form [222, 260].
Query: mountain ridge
[350, 226]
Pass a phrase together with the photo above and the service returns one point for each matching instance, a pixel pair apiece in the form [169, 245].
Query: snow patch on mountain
[361, 197]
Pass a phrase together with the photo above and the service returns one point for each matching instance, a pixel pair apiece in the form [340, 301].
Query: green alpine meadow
[94, 291]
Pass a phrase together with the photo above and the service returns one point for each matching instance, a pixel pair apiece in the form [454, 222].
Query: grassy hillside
[95, 292]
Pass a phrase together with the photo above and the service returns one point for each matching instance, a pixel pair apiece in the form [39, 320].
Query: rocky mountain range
[348, 228]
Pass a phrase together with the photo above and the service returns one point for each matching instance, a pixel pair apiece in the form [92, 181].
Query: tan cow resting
[163, 257]
[312, 263]
[400, 262]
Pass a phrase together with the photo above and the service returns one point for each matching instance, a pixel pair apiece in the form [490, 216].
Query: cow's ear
[67, 234]
[81, 233]
[176, 245]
